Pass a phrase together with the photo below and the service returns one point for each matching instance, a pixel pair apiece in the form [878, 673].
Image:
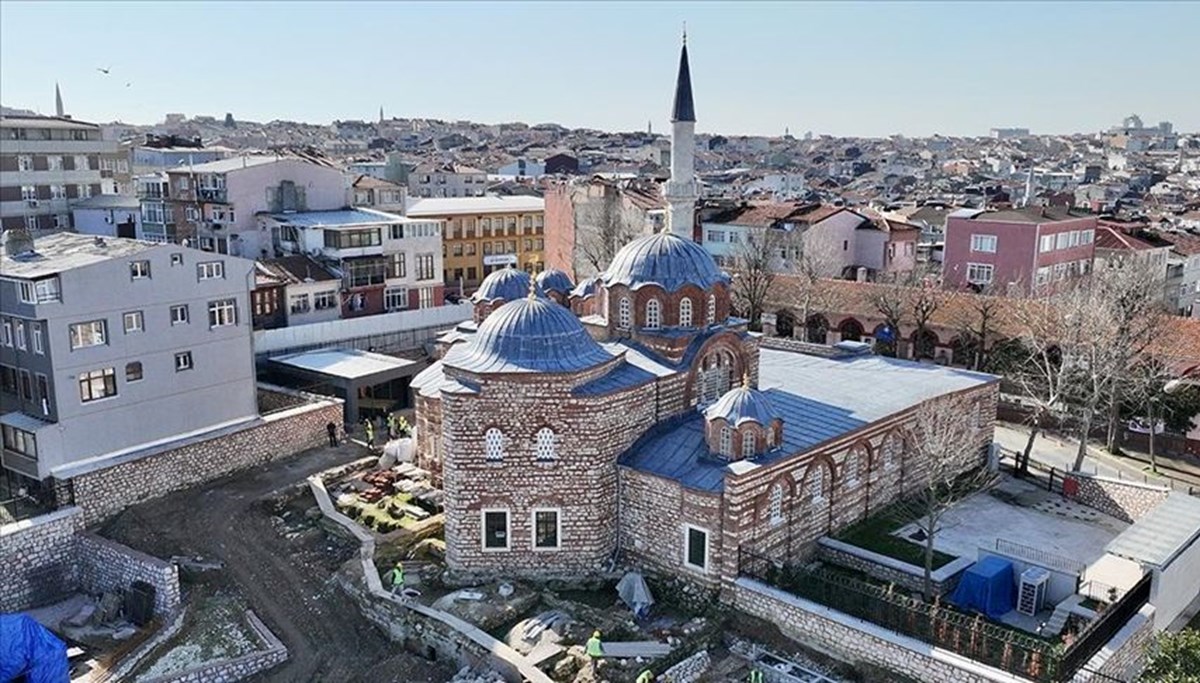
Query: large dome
[509, 284]
[666, 260]
[530, 334]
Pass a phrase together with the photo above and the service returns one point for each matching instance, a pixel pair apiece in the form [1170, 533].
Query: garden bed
[875, 534]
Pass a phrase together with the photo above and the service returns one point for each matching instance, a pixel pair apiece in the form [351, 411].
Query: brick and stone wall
[37, 559]
[689, 670]
[273, 653]
[912, 577]
[1124, 657]
[105, 565]
[1128, 501]
[655, 514]
[105, 492]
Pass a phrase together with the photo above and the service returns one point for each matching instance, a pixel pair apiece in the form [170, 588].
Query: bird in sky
[128, 84]
[104, 71]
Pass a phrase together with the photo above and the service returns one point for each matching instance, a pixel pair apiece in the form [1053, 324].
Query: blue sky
[838, 68]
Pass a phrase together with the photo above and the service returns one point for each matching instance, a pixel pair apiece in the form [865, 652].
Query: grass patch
[875, 534]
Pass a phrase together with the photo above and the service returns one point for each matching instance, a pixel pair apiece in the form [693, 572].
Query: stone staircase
[1056, 622]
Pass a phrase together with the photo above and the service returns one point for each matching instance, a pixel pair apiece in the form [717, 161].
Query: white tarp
[635, 593]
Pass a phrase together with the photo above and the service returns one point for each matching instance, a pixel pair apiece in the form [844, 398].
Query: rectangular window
[1062, 240]
[426, 297]
[696, 551]
[1073, 240]
[1060, 271]
[210, 270]
[222, 313]
[35, 333]
[43, 387]
[25, 163]
[19, 333]
[91, 333]
[26, 385]
[46, 290]
[139, 270]
[325, 300]
[1043, 275]
[983, 243]
[425, 267]
[1047, 244]
[495, 529]
[97, 384]
[7, 334]
[177, 259]
[133, 371]
[352, 239]
[20, 441]
[470, 249]
[398, 266]
[1086, 236]
[395, 298]
[298, 303]
[546, 530]
[183, 361]
[27, 292]
[397, 231]
[980, 273]
[28, 192]
[54, 162]
[179, 315]
[134, 322]
[8, 379]
[365, 272]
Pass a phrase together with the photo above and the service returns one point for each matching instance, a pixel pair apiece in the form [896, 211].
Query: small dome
[587, 287]
[509, 284]
[666, 260]
[555, 280]
[743, 404]
[530, 334]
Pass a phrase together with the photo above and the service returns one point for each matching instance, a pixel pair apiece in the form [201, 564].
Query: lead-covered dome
[508, 284]
[555, 280]
[742, 404]
[530, 334]
[666, 260]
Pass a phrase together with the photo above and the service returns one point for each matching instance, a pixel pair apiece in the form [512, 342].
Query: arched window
[493, 445]
[748, 444]
[685, 312]
[851, 466]
[891, 451]
[624, 313]
[715, 375]
[770, 438]
[726, 441]
[545, 445]
[653, 314]
[816, 482]
[711, 314]
[776, 501]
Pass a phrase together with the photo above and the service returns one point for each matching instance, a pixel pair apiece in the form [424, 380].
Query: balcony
[17, 462]
[211, 194]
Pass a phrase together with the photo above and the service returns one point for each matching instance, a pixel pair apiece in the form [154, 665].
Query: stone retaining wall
[226, 671]
[689, 670]
[1124, 657]
[37, 559]
[105, 565]
[911, 577]
[105, 492]
[1128, 501]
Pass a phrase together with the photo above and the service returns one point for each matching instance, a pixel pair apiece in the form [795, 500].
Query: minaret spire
[680, 192]
[58, 105]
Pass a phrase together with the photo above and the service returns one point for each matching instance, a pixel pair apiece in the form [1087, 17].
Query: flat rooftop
[345, 363]
[338, 218]
[444, 206]
[819, 399]
[64, 251]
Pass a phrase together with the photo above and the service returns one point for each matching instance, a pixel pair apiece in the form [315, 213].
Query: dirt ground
[286, 582]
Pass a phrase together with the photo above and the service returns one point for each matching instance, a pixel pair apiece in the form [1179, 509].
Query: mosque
[633, 421]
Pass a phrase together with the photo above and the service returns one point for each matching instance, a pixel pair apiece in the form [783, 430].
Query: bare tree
[976, 316]
[891, 302]
[945, 440]
[923, 302]
[603, 224]
[756, 265]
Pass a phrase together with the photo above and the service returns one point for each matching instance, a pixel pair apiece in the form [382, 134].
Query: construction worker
[645, 677]
[395, 576]
[391, 425]
[370, 429]
[756, 676]
[595, 650]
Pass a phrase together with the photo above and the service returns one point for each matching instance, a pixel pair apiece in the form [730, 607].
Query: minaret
[680, 191]
[58, 107]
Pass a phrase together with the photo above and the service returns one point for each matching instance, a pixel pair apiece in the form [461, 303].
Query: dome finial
[745, 380]
[685, 33]
[532, 289]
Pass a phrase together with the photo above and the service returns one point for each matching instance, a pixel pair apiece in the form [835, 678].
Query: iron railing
[1099, 632]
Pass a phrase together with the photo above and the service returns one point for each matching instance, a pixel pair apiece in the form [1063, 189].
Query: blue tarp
[987, 587]
[27, 648]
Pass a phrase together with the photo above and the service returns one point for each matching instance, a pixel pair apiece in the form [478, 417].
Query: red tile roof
[1117, 240]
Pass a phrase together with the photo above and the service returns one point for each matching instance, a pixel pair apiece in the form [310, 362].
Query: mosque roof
[530, 334]
[664, 259]
[509, 284]
[555, 280]
[742, 404]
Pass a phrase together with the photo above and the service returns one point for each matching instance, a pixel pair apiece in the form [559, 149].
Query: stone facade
[37, 559]
[655, 514]
[272, 654]
[1128, 501]
[689, 670]
[1124, 657]
[105, 492]
[105, 565]
[911, 577]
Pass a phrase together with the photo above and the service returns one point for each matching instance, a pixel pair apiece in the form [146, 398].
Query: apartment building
[446, 180]
[47, 164]
[386, 262]
[483, 234]
[294, 290]
[110, 347]
[376, 193]
[1017, 250]
[213, 205]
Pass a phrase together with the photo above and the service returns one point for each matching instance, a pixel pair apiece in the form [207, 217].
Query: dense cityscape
[418, 400]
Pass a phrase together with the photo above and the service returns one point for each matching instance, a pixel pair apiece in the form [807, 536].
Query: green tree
[1174, 658]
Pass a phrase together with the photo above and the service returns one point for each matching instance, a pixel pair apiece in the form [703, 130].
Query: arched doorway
[850, 330]
[816, 328]
[925, 344]
[785, 323]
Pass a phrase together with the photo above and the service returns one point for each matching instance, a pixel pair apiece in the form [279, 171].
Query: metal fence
[1099, 632]
[1040, 557]
[969, 635]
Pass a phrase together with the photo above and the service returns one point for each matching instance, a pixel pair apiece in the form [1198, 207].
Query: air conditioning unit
[31, 202]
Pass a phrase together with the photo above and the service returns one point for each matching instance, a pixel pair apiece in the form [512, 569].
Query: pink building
[1017, 250]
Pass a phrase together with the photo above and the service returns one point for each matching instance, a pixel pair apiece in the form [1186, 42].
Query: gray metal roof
[818, 399]
[344, 363]
[530, 334]
[107, 201]
[336, 219]
[446, 206]
[64, 251]
[555, 280]
[666, 260]
[231, 164]
[508, 284]
[1162, 534]
[684, 109]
